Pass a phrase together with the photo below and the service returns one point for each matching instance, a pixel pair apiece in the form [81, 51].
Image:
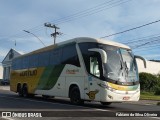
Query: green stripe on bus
[49, 77]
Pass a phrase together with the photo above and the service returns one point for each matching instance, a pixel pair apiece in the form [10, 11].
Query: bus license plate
[126, 98]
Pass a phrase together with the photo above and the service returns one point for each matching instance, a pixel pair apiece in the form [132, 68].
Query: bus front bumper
[120, 96]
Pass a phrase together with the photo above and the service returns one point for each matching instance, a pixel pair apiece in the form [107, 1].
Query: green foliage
[157, 89]
[149, 96]
[158, 75]
[148, 82]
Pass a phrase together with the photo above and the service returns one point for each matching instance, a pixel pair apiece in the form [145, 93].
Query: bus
[82, 69]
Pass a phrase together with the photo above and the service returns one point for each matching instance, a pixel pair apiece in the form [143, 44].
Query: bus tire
[25, 91]
[19, 90]
[106, 103]
[75, 97]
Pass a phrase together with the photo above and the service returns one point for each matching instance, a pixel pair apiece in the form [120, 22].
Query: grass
[149, 96]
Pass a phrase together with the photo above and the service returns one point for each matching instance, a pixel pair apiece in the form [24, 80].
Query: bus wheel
[105, 103]
[19, 90]
[25, 91]
[75, 96]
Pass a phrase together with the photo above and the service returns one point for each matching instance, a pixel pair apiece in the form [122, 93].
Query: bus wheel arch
[74, 94]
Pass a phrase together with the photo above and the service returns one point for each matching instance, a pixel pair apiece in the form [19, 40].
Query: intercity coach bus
[82, 69]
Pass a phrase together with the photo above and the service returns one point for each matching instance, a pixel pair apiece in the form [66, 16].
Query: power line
[148, 41]
[149, 48]
[72, 15]
[140, 38]
[83, 12]
[131, 29]
[140, 45]
[150, 45]
[142, 41]
[86, 12]
[146, 47]
[89, 11]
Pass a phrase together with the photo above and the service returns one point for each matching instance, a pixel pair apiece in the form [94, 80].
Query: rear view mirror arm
[139, 57]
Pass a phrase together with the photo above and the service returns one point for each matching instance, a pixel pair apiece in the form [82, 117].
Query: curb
[4, 87]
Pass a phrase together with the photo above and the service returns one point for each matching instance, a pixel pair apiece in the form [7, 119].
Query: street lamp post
[34, 36]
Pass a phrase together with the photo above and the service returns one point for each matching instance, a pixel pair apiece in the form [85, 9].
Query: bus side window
[70, 55]
[94, 66]
[55, 56]
[43, 59]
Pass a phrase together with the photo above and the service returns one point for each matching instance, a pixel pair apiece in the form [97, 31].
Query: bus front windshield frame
[120, 68]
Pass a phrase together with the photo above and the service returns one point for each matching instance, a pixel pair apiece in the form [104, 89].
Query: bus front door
[93, 92]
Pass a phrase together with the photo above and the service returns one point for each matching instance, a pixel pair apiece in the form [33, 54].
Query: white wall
[1, 72]
[152, 67]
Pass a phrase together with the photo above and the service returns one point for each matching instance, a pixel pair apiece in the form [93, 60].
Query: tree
[148, 82]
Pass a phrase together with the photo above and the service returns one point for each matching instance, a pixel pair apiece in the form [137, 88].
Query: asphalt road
[60, 108]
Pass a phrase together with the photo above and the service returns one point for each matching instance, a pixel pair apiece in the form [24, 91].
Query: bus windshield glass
[120, 68]
[121, 65]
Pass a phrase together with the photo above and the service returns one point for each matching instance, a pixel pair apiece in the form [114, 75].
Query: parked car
[5, 82]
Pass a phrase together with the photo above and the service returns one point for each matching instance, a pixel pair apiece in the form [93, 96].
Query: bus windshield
[120, 68]
[121, 65]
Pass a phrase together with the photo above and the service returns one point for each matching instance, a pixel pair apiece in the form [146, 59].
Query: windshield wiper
[121, 65]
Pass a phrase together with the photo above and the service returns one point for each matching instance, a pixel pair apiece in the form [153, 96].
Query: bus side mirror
[101, 52]
[139, 57]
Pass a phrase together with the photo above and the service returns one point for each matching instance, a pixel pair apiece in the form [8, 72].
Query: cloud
[31, 15]
[3, 53]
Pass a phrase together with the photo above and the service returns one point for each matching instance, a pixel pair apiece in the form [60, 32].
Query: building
[152, 67]
[1, 72]
[6, 63]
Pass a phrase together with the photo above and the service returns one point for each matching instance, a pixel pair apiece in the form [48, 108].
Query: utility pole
[54, 35]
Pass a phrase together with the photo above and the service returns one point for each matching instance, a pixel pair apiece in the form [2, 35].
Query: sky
[80, 18]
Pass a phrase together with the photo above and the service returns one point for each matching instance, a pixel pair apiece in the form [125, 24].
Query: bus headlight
[111, 89]
[106, 87]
